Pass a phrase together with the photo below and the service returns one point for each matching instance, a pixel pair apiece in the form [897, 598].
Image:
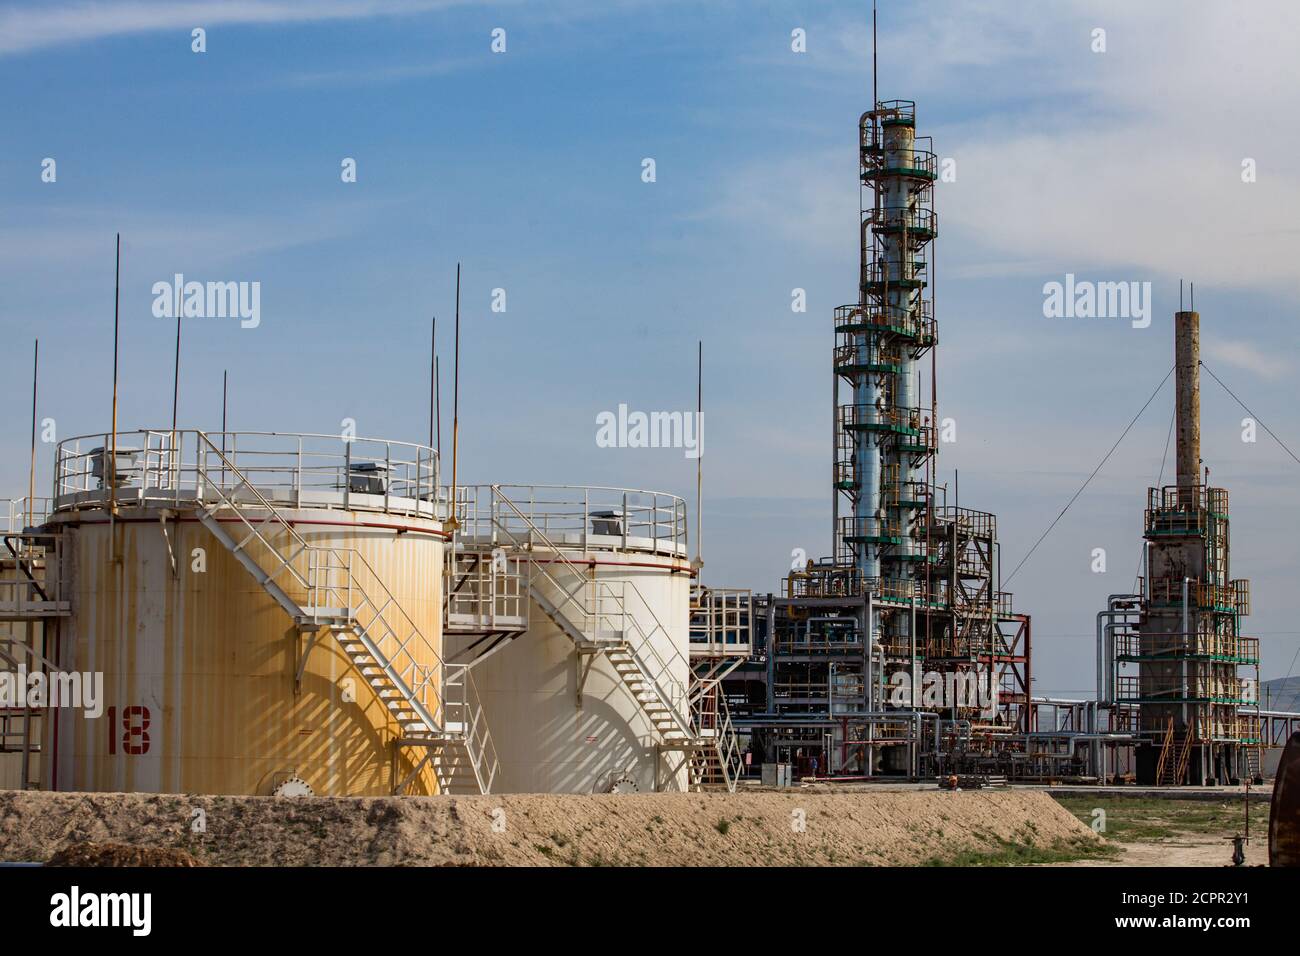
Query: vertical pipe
[1183, 664]
[699, 459]
[31, 473]
[176, 385]
[835, 453]
[433, 380]
[225, 382]
[28, 712]
[455, 406]
[117, 298]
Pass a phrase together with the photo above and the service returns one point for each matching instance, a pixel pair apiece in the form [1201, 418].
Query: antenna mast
[455, 408]
[31, 475]
[699, 457]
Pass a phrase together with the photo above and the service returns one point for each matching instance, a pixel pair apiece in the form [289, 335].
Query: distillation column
[885, 436]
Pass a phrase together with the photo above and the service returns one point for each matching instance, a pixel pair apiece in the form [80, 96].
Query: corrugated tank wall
[199, 665]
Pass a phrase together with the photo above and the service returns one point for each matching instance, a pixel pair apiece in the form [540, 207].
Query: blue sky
[526, 166]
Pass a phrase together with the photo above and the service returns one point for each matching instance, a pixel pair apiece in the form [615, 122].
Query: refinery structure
[277, 613]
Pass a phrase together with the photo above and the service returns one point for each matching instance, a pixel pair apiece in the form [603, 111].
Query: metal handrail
[721, 621]
[467, 710]
[585, 515]
[23, 593]
[22, 513]
[916, 418]
[414, 677]
[675, 695]
[481, 592]
[911, 218]
[328, 471]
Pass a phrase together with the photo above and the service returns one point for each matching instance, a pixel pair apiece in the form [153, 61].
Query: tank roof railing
[19, 514]
[162, 468]
[586, 517]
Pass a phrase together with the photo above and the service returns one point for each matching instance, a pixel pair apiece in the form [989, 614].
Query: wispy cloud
[34, 26]
[68, 237]
[1070, 160]
[810, 200]
[1247, 357]
[378, 75]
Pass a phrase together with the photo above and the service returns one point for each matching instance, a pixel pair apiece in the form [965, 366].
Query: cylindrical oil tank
[564, 721]
[209, 684]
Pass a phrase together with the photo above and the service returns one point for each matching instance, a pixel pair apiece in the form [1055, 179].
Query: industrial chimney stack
[1187, 382]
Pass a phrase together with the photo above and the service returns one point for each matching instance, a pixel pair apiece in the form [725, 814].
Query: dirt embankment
[699, 829]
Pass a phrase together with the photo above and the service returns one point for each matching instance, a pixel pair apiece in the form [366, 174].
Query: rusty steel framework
[1189, 692]
[1181, 680]
[911, 586]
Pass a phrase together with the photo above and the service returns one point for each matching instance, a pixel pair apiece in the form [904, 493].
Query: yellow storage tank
[265, 610]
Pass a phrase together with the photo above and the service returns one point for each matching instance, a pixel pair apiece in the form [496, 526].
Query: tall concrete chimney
[1187, 384]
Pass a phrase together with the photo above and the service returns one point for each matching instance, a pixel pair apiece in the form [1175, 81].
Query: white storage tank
[609, 613]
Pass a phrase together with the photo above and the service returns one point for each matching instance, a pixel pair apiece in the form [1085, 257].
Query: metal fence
[287, 468]
[575, 515]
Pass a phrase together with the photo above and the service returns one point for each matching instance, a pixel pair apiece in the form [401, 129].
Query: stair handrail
[1183, 757]
[227, 499]
[728, 745]
[36, 657]
[1165, 750]
[569, 596]
[675, 697]
[473, 720]
[425, 680]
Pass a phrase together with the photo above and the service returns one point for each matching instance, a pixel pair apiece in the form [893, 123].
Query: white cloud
[380, 74]
[38, 25]
[68, 237]
[810, 200]
[1246, 356]
[1070, 160]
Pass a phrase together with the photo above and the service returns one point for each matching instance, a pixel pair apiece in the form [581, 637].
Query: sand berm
[798, 827]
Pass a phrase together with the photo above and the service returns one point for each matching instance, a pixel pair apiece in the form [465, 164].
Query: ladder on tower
[433, 703]
[595, 616]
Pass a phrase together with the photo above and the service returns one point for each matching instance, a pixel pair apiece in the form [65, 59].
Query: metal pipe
[1183, 664]
[1105, 650]
[699, 462]
[31, 474]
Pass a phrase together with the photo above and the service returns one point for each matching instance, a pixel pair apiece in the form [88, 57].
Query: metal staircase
[30, 594]
[595, 616]
[1175, 753]
[21, 727]
[723, 764]
[433, 702]
[1254, 762]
